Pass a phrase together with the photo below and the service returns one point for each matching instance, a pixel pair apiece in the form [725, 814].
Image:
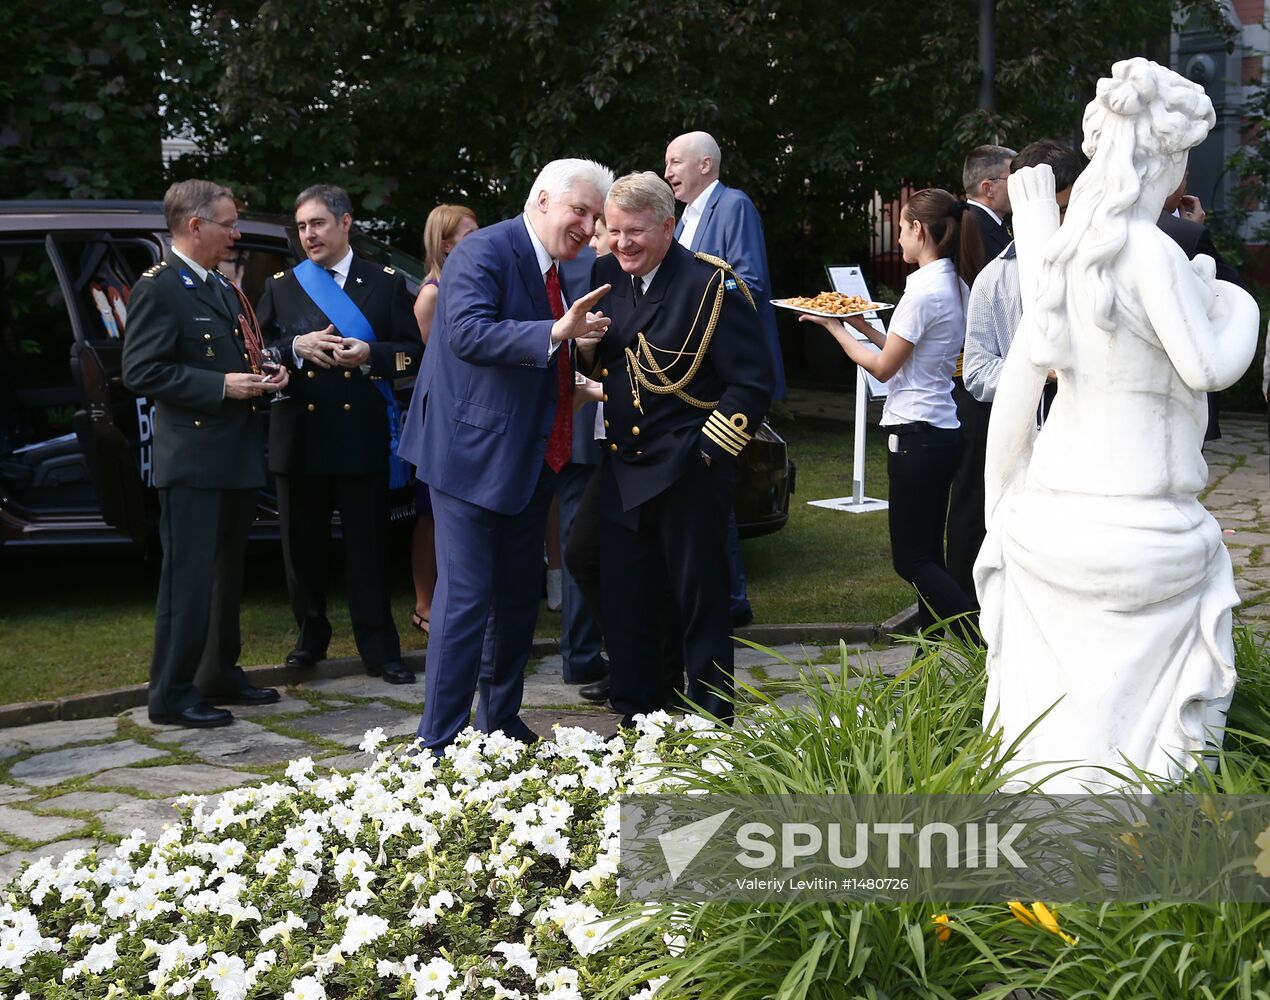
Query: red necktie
[560, 443]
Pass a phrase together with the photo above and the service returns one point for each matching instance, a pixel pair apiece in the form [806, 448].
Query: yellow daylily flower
[1262, 863]
[1040, 916]
[941, 922]
[1208, 807]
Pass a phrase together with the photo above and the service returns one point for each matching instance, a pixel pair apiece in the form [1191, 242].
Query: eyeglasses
[231, 226]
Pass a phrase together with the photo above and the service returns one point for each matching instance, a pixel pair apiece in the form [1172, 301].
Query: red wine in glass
[270, 365]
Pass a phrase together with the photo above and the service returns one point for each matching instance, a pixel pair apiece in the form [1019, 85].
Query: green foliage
[79, 93]
[817, 106]
[922, 733]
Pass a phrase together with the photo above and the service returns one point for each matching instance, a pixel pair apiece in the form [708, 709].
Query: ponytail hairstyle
[443, 222]
[955, 236]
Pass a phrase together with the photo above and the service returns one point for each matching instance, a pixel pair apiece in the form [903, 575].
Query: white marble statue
[1106, 589]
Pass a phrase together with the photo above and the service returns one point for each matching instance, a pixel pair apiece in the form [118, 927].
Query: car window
[100, 270]
[36, 393]
[367, 246]
[253, 264]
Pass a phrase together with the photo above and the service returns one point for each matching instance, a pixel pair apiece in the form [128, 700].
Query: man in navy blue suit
[723, 222]
[497, 380]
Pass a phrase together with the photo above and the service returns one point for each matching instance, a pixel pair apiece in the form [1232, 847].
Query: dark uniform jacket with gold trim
[183, 338]
[698, 325]
[335, 421]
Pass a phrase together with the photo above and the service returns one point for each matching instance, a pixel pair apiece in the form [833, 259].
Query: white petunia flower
[433, 979]
[650, 991]
[373, 739]
[227, 976]
[306, 988]
[281, 929]
[517, 956]
[360, 931]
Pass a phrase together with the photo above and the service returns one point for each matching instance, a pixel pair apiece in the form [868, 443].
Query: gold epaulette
[734, 280]
[728, 432]
[279, 275]
[151, 272]
[389, 270]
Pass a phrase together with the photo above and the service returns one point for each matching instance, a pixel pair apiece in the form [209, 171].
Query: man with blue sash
[345, 326]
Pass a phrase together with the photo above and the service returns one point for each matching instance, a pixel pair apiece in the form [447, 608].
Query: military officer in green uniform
[347, 327]
[687, 380]
[191, 347]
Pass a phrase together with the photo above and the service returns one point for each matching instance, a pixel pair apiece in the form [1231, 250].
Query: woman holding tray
[917, 357]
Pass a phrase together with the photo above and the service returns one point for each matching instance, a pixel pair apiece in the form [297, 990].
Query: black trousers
[196, 631]
[965, 503]
[664, 573]
[305, 504]
[582, 556]
[921, 464]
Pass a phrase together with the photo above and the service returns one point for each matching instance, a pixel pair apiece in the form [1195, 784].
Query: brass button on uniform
[207, 336]
[613, 446]
[606, 397]
[638, 453]
[198, 423]
[348, 406]
[311, 407]
[604, 373]
[245, 358]
[311, 373]
[606, 423]
[635, 431]
[347, 373]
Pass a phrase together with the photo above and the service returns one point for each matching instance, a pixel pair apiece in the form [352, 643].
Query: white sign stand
[850, 281]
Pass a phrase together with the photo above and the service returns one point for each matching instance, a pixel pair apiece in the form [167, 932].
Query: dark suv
[75, 445]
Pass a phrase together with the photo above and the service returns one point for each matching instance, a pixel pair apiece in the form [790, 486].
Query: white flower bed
[484, 875]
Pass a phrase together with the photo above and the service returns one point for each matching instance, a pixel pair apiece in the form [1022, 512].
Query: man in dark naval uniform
[346, 326]
[189, 347]
[687, 379]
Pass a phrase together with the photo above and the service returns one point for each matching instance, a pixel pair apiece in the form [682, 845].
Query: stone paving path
[1238, 495]
[78, 783]
[74, 784]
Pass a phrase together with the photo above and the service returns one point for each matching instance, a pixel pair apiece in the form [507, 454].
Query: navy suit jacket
[489, 388]
[651, 445]
[730, 228]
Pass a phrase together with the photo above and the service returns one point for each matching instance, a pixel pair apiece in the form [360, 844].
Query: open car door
[96, 272]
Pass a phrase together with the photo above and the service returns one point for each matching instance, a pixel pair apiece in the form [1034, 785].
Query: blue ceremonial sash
[349, 320]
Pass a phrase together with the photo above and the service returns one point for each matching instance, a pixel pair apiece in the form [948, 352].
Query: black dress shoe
[598, 691]
[303, 658]
[249, 695]
[517, 730]
[200, 716]
[394, 672]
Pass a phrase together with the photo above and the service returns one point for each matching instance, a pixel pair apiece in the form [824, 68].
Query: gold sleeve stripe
[732, 449]
[722, 433]
[733, 428]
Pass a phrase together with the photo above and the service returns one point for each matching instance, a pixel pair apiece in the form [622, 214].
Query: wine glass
[270, 365]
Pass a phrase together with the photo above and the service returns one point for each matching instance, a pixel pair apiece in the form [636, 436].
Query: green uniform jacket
[183, 337]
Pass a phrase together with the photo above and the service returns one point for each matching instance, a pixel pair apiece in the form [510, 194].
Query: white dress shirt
[995, 218]
[198, 269]
[341, 269]
[932, 317]
[692, 215]
[545, 261]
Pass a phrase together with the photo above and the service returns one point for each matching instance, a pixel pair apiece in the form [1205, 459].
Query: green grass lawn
[76, 623]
